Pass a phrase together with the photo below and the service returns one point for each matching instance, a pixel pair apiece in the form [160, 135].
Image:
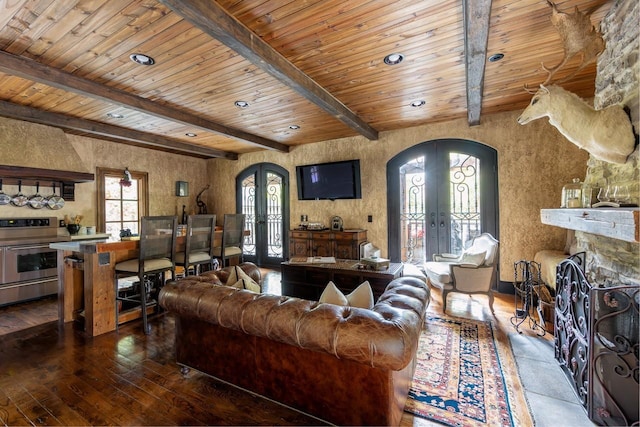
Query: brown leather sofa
[348, 366]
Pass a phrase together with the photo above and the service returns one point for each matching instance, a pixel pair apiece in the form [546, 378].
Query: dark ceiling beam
[33, 70]
[213, 20]
[476, 15]
[113, 133]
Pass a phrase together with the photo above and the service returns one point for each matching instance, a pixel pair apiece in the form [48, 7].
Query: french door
[441, 194]
[262, 194]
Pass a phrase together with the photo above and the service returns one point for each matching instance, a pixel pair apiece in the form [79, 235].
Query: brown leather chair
[198, 248]
[156, 257]
[232, 239]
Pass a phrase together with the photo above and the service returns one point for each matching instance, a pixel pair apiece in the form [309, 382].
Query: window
[120, 207]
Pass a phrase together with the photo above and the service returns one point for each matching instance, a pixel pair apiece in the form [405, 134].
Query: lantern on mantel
[126, 178]
[572, 194]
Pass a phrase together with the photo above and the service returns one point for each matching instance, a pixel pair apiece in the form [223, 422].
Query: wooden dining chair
[156, 257]
[232, 239]
[198, 248]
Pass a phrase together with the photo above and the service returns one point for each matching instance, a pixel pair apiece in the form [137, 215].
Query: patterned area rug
[466, 376]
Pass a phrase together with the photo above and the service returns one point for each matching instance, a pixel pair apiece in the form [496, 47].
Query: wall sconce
[182, 188]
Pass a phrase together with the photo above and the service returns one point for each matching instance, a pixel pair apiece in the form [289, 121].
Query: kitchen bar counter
[86, 276]
[96, 236]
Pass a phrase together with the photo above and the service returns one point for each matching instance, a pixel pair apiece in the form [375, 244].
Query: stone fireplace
[596, 306]
[613, 261]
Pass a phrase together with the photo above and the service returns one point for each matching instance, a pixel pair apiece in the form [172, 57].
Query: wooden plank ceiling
[309, 70]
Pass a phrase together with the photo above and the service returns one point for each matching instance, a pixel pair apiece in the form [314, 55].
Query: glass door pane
[274, 215]
[413, 215]
[248, 189]
[464, 199]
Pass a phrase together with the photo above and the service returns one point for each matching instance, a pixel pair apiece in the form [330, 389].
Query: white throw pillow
[333, 295]
[237, 274]
[245, 284]
[469, 259]
[361, 297]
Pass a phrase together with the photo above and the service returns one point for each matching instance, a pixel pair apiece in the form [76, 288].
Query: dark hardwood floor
[52, 375]
[28, 314]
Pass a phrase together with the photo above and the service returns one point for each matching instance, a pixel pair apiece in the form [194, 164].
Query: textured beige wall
[36, 146]
[534, 163]
[81, 154]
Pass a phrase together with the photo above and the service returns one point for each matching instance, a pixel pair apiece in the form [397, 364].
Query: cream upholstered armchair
[471, 272]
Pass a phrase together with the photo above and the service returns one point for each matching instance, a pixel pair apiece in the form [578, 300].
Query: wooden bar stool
[155, 258]
[198, 248]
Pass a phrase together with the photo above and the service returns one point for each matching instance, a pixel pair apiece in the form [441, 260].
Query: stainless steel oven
[29, 262]
[28, 267]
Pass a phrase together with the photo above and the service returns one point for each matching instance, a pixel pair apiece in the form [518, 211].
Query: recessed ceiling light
[191, 134]
[115, 116]
[419, 103]
[241, 104]
[294, 127]
[142, 59]
[496, 57]
[393, 58]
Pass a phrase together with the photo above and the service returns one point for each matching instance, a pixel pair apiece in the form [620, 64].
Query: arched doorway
[441, 193]
[262, 194]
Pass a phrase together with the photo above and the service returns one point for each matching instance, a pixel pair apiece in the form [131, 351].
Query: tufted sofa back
[385, 336]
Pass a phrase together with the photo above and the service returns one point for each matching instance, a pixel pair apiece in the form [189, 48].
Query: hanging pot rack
[64, 180]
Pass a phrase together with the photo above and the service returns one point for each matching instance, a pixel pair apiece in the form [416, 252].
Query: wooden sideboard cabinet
[339, 244]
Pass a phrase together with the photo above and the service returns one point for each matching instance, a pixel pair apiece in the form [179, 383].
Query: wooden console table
[309, 280]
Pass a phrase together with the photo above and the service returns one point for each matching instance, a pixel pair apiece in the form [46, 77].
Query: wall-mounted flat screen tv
[329, 181]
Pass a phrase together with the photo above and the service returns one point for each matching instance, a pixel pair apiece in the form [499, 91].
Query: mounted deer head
[578, 37]
[606, 134]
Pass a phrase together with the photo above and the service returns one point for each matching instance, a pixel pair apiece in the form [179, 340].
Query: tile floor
[551, 397]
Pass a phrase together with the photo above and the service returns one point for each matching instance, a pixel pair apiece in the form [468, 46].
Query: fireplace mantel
[616, 223]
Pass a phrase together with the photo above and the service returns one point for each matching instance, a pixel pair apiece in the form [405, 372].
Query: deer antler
[578, 37]
[553, 70]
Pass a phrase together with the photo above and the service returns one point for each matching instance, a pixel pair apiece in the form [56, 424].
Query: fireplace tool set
[528, 288]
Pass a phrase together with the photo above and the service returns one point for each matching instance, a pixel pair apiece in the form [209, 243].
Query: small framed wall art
[182, 188]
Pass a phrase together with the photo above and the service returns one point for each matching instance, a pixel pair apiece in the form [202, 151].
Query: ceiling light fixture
[393, 58]
[142, 59]
[496, 57]
[294, 127]
[115, 115]
[419, 103]
[191, 134]
[241, 104]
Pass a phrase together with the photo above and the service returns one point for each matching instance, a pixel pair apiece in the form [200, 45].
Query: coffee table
[308, 280]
